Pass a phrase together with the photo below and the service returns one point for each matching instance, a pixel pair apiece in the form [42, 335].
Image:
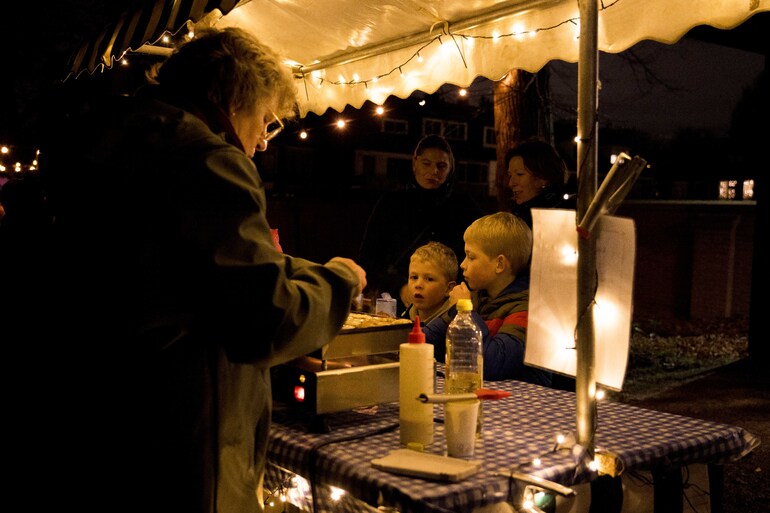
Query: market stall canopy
[344, 52]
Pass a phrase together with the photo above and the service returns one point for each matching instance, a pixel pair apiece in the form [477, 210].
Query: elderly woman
[537, 177]
[170, 301]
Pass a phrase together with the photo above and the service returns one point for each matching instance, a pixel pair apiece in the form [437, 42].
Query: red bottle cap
[416, 336]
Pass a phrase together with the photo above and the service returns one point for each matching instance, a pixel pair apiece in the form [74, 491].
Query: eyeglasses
[273, 128]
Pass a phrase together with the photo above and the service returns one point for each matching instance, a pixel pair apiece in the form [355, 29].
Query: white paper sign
[551, 330]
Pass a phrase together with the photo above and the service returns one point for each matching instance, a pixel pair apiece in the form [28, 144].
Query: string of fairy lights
[416, 56]
[171, 39]
[17, 159]
[317, 79]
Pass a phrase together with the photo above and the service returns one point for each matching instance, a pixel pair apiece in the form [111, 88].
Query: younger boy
[497, 252]
[432, 276]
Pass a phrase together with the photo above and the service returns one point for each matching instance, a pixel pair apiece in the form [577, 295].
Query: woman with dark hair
[537, 176]
[425, 210]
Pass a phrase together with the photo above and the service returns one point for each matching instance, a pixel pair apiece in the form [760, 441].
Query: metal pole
[585, 380]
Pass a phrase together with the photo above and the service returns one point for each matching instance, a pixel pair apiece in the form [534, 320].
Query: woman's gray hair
[228, 68]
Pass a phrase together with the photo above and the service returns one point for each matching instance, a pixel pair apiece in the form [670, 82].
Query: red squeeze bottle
[415, 377]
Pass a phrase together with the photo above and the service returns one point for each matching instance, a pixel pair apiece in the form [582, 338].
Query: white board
[551, 331]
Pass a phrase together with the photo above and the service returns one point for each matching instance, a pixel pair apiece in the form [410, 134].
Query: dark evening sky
[690, 84]
[37, 40]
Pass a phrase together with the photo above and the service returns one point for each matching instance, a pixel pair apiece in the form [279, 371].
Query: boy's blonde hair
[441, 256]
[502, 233]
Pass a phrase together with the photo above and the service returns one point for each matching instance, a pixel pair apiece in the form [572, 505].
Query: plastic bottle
[464, 369]
[416, 376]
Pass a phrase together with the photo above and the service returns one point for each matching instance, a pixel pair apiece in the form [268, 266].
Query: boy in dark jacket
[497, 252]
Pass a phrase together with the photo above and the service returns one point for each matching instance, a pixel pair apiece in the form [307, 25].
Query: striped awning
[143, 25]
[345, 52]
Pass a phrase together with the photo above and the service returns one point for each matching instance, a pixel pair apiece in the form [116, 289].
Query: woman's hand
[357, 269]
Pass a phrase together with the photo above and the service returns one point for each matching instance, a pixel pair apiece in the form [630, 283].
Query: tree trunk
[522, 110]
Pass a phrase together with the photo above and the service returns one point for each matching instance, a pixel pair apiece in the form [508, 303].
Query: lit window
[727, 189]
[748, 189]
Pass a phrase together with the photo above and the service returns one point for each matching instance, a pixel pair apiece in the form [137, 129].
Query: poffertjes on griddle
[358, 320]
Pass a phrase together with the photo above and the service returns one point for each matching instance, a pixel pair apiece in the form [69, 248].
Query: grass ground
[702, 370]
[664, 354]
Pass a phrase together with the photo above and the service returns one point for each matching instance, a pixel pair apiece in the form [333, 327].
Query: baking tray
[367, 340]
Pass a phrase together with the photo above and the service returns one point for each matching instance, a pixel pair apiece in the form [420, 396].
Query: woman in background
[537, 177]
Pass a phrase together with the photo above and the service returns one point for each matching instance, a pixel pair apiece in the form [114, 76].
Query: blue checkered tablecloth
[516, 431]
